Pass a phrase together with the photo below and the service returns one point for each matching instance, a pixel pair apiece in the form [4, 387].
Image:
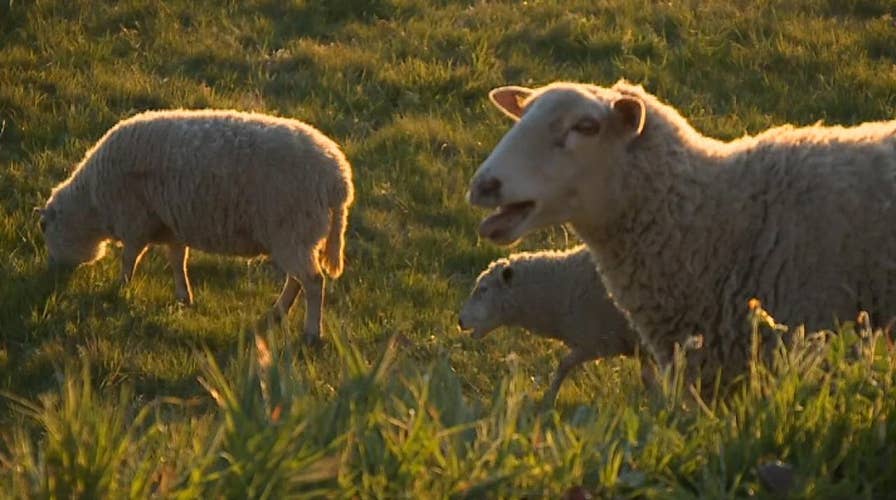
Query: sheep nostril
[489, 187]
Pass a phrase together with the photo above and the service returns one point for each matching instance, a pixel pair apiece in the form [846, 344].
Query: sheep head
[70, 232]
[561, 160]
[489, 304]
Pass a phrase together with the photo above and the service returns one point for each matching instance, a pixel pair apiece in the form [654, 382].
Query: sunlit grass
[391, 427]
[402, 85]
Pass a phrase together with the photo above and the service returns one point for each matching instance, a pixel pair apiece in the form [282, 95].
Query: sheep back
[798, 217]
[220, 181]
[559, 294]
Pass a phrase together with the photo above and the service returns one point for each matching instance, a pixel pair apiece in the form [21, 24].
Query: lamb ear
[509, 99]
[43, 213]
[633, 113]
[507, 275]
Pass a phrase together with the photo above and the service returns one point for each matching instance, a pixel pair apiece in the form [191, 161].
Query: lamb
[686, 228]
[224, 182]
[553, 294]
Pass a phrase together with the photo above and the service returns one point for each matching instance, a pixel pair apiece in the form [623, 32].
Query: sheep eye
[507, 275]
[587, 126]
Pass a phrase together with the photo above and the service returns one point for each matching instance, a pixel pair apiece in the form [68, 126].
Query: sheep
[552, 294]
[224, 182]
[688, 229]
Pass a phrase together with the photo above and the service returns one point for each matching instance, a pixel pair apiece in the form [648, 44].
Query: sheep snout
[485, 192]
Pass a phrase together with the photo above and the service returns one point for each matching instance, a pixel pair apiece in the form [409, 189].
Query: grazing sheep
[557, 295]
[220, 181]
[686, 228]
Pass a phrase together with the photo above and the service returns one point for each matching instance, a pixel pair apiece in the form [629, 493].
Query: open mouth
[472, 331]
[475, 333]
[500, 226]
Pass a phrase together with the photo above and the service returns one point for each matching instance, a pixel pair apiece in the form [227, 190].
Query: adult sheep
[687, 228]
[553, 294]
[223, 182]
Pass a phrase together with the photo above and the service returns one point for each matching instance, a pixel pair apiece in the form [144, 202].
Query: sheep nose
[489, 187]
[485, 189]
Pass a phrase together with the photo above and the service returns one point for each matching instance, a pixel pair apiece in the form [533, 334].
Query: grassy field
[119, 393]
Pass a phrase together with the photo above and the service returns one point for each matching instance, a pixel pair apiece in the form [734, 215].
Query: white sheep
[687, 229]
[553, 294]
[219, 181]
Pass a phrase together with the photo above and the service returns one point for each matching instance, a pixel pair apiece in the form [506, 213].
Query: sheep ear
[633, 113]
[507, 275]
[43, 213]
[509, 99]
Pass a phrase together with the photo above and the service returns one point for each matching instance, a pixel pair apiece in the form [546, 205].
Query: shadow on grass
[45, 326]
[322, 18]
[27, 298]
[27, 293]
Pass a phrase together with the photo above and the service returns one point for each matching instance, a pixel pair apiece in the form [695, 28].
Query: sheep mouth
[472, 331]
[502, 225]
[475, 333]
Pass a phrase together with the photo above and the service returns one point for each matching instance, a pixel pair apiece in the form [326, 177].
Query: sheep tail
[331, 258]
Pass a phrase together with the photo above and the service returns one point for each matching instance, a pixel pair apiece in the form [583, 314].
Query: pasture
[114, 393]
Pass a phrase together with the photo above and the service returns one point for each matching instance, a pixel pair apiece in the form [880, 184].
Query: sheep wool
[220, 181]
[553, 294]
[686, 228]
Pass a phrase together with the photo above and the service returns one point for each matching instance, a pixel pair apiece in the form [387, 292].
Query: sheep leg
[302, 268]
[130, 258]
[177, 259]
[287, 297]
[281, 307]
[573, 359]
[648, 373]
[313, 285]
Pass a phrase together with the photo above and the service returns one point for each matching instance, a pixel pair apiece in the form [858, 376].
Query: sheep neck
[76, 187]
[669, 177]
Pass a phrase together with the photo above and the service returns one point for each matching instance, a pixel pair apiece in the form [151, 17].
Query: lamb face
[489, 303]
[568, 137]
[70, 233]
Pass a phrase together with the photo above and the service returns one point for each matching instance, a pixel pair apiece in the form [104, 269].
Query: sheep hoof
[185, 301]
[547, 402]
[313, 341]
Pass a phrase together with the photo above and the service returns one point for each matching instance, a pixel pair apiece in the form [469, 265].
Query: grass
[120, 393]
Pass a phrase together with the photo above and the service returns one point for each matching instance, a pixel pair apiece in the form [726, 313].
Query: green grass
[123, 393]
